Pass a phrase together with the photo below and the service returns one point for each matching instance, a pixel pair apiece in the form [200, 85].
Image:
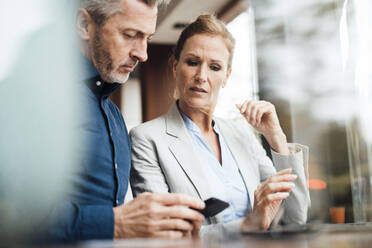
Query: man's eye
[215, 67]
[128, 35]
[191, 63]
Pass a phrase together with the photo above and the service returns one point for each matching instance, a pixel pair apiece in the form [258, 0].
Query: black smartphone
[213, 206]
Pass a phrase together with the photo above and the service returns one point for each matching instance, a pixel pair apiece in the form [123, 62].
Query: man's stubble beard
[103, 62]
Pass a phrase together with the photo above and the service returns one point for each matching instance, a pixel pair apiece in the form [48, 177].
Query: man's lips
[129, 68]
[197, 89]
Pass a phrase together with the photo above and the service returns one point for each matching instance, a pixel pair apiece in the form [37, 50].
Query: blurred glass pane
[38, 111]
[314, 60]
[242, 84]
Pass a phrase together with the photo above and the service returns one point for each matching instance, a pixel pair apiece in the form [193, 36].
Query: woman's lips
[197, 89]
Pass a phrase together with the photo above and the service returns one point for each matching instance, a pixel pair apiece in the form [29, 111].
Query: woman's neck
[201, 117]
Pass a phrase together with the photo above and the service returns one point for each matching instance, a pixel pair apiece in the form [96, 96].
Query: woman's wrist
[278, 142]
[251, 222]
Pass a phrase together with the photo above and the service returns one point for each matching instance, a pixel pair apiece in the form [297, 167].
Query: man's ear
[227, 77]
[84, 24]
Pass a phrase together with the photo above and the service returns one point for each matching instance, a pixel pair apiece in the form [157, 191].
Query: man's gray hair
[100, 10]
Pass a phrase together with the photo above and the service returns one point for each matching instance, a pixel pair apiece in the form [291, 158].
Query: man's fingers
[196, 230]
[176, 199]
[182, 213]
[174, 224]
[168, 234]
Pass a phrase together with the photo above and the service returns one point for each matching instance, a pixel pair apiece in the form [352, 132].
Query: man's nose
[139, 51]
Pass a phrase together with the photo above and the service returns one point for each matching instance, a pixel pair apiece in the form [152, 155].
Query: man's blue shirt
[101, 181]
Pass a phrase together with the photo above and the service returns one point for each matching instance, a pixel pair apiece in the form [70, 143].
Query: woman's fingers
[284, 178]
[254, 110]
[243, 108]
[264, 108]
[279, 187]
[281, 181]
[270, 198]
[272, 188]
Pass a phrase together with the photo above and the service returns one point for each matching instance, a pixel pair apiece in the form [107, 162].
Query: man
[113, 39]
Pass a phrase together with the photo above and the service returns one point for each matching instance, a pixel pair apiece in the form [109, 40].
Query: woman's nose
[201, 74]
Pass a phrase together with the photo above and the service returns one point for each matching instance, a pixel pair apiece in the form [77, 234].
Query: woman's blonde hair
[206, 24]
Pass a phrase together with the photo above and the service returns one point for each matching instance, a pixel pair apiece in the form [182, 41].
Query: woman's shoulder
[149, 128]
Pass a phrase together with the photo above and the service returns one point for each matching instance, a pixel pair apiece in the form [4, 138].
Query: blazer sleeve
[298, 203]
[146, 174]
[295, 206]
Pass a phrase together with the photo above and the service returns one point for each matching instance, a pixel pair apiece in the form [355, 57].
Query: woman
[189, 151]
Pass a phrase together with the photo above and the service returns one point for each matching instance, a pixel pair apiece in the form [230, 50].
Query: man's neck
[83, 46]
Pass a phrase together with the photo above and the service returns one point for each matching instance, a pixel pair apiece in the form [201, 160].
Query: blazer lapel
[183, 151]
[243, 161]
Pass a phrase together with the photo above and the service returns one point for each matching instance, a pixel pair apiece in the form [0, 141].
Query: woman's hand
[262, 116]
[267, 200]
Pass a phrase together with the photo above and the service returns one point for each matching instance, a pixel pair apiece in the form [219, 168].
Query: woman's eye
[191, 63]
[215, 67]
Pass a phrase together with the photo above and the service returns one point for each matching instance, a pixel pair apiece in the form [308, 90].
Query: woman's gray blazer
[164, 159]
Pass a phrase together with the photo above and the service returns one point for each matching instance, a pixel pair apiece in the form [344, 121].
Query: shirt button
[116, 166]
[111, 134]
[98, 83]
[117, 202]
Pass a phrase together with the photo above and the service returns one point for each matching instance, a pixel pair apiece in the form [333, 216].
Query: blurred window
[242, 84]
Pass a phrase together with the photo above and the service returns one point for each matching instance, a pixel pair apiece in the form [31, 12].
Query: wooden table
[344, 236]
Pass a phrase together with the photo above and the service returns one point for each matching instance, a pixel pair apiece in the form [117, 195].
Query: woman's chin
[198, 104]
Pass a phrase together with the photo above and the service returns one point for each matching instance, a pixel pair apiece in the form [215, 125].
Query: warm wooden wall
[157, 82]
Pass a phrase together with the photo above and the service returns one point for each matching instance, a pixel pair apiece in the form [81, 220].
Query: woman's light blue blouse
[225, 180]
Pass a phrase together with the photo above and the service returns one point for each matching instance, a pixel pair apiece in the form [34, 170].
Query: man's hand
[158, 215]
[267, 199]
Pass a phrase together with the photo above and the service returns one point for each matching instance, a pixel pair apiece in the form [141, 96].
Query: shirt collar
[191, 126]
[91, 77]
[87, 69]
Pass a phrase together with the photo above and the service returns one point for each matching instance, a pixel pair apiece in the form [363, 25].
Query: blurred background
[311, 58]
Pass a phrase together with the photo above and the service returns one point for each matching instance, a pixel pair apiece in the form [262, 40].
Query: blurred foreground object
[38, 110]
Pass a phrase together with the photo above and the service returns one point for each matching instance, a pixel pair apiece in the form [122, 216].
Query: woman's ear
[84, 24]
[174, 67]
[227, 77]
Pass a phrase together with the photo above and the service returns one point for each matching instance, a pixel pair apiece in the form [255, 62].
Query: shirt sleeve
[69, 222]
